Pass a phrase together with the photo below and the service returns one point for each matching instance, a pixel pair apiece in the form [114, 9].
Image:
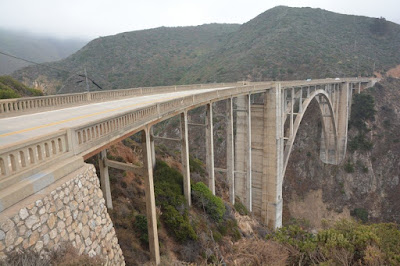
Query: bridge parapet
[36, 104]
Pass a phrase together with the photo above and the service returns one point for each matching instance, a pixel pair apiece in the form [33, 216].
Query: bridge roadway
[19, 128]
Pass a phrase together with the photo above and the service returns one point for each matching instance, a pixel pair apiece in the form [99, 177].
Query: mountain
[11, 88]
[33, 48]
[281, 43]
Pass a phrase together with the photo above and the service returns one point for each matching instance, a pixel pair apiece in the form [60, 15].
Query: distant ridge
[281, 43]
[34, 48]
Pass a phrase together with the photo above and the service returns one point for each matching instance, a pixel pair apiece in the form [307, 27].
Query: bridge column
[343, 106]
[230, 150]
[185, 157]
[210, 148]
[271, 210]
[105, 179]
[153, 150]
[150, 198]
[243, 177]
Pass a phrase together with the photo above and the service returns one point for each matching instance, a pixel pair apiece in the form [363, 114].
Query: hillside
[281, 43]
[33, 48]
[11, 88]
[141, 58]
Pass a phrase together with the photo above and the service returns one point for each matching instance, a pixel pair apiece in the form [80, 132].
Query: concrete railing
[20, 160]
[29, 104]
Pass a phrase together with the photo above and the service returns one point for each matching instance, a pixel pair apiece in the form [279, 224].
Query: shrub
[362, 110]
[168, 189]
[240, 208]
[345, 243]
[359, 142]
[178, 223]
[140, 225]
[349, 167]
[196, 166]
[203, 197]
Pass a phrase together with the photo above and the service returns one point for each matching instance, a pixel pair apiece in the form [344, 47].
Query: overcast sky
[89, 19]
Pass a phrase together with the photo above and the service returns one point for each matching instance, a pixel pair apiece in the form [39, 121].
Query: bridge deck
[15, 129]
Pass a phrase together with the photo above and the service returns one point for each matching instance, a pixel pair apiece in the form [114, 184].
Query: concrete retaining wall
[72, 210]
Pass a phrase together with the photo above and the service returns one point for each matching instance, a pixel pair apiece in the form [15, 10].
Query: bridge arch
[329, 143]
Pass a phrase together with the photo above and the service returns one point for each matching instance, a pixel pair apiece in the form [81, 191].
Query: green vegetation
[349, 167]
[196, 166]
[346, 243]
[265, 48]
[11, 88]
[362, 111]
[203, 197]
[140, 225]
[168, 188]
[240, 208]
[360, 213]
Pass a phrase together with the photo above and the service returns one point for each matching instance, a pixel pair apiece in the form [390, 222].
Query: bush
[360, 213]
[140, 225]
[179, 224]
[168, 189]
[196, 166]
[349, 167]
[359, 142]
[203, 197]
[346, 243]
[240, 208]
[362, 110]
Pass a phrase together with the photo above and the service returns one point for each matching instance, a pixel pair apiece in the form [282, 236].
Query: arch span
[329, 136]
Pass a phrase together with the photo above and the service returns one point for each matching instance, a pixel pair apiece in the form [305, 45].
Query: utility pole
[87, 83]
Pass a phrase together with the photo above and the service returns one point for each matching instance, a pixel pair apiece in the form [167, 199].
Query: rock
[18, 241]
[33, 238]
[7, 225]
[60, 215]
[39, 203]
[46, 239]
[39, 246]
[85, 231]
[53, 233]
[44, 218]
[51, 221]
[60, 225]
[2, 235]
[10, 237]
[33, 219]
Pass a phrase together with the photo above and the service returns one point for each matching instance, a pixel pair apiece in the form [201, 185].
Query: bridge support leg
[230, 149]
[243, 178]
[271, 210]
[210, 148]
[185, 157]
[150, 198]
[343, 111]
[105, 179]
[153, 150]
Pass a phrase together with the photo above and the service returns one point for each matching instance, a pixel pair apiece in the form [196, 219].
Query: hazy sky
[89, 19]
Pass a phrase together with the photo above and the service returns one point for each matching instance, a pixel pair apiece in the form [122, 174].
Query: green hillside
[281, 43]
[11, 88]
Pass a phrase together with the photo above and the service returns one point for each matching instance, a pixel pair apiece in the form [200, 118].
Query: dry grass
[256, 252]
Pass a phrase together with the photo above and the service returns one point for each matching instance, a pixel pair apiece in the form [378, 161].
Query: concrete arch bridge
[45, 139]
